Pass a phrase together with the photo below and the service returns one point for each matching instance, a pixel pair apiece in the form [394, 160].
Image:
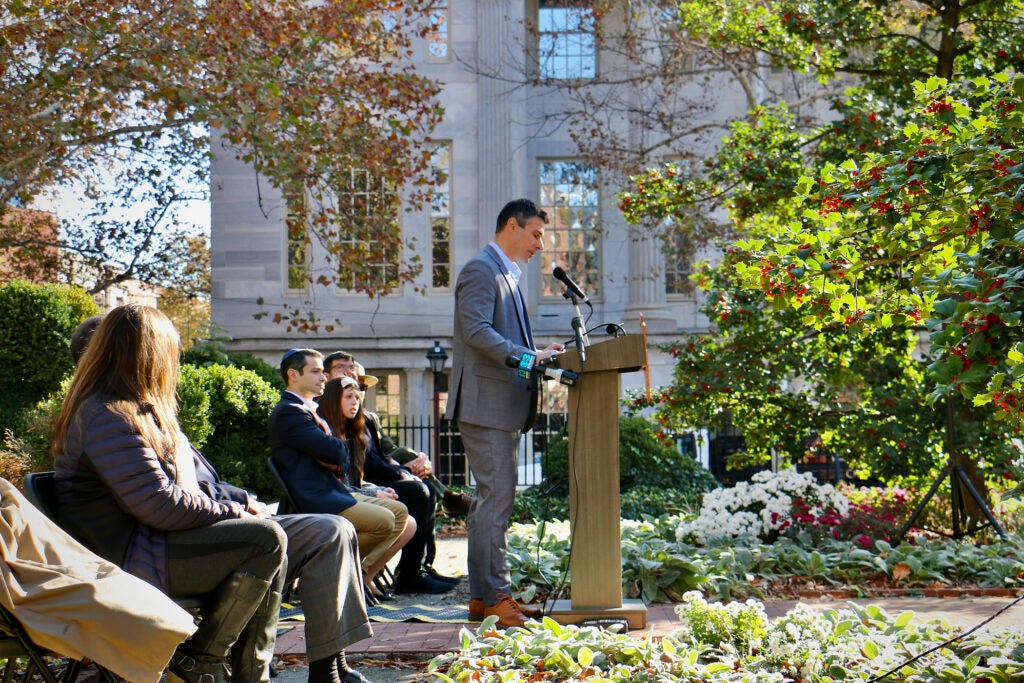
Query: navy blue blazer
[312, 463]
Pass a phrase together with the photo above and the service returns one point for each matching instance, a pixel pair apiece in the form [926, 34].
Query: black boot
[187, 667]
[347, 674]
[252, 654]
[202, 658]
[324, 670]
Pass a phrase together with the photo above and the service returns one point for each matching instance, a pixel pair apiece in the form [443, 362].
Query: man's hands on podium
[550, 351]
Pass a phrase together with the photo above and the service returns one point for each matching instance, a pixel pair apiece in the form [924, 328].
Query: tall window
[566, 46]
[568, 193]
[388, 396]
[297, 238]
[437, 36]
[678, 252]
[371, 237]
[441, 215]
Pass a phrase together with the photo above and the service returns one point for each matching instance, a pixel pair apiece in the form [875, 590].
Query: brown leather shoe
[456, 504]
[476, 610]
[508, 612]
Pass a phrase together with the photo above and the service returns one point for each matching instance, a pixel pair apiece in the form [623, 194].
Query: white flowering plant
[733, 628]
[770, 505]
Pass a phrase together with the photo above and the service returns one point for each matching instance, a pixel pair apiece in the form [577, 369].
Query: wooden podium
[594, 510]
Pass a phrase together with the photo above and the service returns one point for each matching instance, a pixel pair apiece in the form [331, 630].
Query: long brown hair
[131, 362]
[354, 430]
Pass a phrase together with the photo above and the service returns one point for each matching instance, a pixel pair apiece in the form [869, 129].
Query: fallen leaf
[900, 571]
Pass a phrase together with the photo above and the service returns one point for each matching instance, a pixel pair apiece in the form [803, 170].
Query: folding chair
[40, 488]
[16, 646]
[286, 506]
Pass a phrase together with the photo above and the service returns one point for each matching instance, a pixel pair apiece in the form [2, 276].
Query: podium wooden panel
[594, 509]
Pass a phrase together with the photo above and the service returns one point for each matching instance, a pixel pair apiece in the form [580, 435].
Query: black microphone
[573, 288]
[528, 364]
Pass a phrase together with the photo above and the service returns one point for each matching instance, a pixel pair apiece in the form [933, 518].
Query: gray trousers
[324, 555]
[492, 459]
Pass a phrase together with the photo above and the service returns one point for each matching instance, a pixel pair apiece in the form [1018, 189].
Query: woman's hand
[387, 493]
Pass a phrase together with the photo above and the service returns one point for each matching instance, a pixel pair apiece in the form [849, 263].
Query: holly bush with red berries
[929, 231]
[871, 263]
[864, 393]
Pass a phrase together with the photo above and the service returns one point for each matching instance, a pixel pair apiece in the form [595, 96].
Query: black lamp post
[437, 357]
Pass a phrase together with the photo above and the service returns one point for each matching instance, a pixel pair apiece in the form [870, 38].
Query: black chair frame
[16, 645]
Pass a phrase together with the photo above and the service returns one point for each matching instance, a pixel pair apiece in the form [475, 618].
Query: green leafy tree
[868, 384]
[117, 101]
[929, 230]
[798, 391]
[865, 54]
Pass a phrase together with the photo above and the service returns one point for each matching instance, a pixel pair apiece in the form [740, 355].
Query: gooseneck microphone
[577, 329]
[573, 288]
[527, 365]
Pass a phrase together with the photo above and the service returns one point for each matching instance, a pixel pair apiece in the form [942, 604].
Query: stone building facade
[494, 147]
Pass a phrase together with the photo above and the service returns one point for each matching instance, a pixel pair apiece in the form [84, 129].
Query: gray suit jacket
[489, 327]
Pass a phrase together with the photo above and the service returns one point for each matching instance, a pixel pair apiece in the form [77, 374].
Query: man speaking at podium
[490, 402]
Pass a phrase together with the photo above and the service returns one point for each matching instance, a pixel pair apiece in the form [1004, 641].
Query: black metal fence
[826, 466]
[419, 434]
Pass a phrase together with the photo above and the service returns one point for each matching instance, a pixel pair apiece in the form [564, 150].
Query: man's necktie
[526, 319]
[534, 398]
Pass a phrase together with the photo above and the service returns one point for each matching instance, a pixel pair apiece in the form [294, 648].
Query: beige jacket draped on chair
[74, 603]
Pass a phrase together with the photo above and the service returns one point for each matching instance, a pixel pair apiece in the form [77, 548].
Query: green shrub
[232, 424]
[204, 353]
[210, 353]
[194, 414]
[34, 340]
[640, 502]
[537, 503]
[15, 458]
[223, 411]
[645, 462]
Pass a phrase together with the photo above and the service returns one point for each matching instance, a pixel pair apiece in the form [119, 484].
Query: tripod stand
[958, 481]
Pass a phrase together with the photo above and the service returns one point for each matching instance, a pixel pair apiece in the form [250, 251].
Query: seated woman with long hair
[342, 409]
[127, 488]
[381, 500]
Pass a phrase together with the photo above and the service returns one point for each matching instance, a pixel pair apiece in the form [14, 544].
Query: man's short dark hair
[520, 209]
[295, 359]
[337, 355]
[81, 336]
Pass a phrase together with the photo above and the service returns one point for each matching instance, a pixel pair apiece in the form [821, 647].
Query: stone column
[497, 179]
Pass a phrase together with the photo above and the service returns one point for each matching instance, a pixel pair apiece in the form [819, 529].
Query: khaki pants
[378, 522]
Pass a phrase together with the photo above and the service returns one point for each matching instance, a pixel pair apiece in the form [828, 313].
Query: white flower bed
[761, 509]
